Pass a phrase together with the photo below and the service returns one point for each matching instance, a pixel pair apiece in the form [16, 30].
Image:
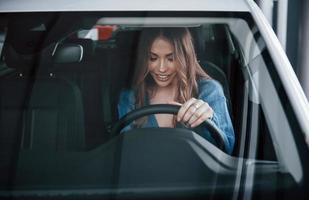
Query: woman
[167, 72]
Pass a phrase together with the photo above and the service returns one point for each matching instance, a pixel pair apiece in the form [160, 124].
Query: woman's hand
[194, 112]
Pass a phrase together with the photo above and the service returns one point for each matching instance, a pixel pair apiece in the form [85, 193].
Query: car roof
[122, 5]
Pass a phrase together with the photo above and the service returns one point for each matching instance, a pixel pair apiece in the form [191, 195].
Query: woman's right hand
[193, 112]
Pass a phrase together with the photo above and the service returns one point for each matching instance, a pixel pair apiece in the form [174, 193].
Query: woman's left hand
[194, 112]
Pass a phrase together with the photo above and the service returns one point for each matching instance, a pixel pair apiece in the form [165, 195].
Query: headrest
[25, 43]
[13, 59]
[25, 62]
[73, 51]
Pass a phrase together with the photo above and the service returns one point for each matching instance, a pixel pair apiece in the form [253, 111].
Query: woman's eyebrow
[153, 54]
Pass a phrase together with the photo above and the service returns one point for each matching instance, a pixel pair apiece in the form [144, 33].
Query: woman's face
[162, 64]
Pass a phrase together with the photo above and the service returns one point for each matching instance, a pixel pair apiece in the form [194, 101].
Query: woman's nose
[162, 67]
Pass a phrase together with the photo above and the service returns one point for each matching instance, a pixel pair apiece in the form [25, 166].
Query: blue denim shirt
[211, 92]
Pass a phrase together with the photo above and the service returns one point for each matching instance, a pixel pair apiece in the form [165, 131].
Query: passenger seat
[75, 61]
[51, 108]
[39, 112]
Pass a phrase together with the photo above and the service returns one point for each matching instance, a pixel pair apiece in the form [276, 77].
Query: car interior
[96, 73]
[59, 94]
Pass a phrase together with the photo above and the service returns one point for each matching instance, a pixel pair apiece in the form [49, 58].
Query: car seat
[216, 73]
[39, 112]
[76, 61]
[212, 52]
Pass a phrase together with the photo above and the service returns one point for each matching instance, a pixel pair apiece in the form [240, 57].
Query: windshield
[66, 79]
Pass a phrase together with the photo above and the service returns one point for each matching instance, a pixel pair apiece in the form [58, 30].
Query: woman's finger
[182, 111]
[197, 114]
[192, 110]
[208, 113]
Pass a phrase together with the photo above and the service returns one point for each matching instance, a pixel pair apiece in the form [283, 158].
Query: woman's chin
[163, 83]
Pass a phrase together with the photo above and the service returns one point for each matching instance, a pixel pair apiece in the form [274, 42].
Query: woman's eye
[171, 59]
[153, 59]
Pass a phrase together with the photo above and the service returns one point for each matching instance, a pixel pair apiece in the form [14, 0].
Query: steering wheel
[215, 132]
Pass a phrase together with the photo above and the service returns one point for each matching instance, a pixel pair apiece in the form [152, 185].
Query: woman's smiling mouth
[163, 78]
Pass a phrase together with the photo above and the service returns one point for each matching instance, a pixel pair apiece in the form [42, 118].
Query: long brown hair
[189, 70]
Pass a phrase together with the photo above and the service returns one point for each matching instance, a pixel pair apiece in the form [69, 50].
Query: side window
[260, 81]
[269, 128]
[262, 110]
[265, 146]
[276, 118]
